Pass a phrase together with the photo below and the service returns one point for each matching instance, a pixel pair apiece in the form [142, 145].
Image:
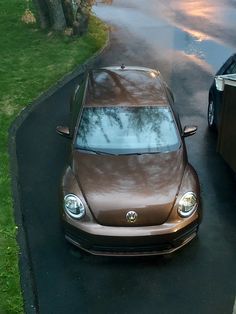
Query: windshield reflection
[125, 87]
[127, 130]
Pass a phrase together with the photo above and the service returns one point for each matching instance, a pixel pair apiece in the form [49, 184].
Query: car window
[124, 130]
[124, 87]
[231, 69]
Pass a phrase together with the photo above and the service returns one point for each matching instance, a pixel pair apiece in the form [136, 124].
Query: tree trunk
[68, 12]
[42, 13]
[57, 17]
[80, 25]
[59, 14]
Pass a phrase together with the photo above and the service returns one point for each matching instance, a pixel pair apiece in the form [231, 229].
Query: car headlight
[187, 204]
[74, 206]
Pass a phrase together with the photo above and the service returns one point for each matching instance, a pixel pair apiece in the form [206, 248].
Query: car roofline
[118, 70]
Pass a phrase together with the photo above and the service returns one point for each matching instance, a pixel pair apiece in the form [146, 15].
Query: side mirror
[189, 130]
[63, 131]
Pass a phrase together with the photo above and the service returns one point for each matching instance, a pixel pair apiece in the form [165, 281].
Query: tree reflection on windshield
[123, 130]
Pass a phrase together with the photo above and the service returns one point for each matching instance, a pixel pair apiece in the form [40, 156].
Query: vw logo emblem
[131, 216]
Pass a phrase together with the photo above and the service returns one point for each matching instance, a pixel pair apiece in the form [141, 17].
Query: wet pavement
[187, 41]
[199, 29]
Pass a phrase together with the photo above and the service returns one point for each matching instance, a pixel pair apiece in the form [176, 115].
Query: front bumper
[126, 245]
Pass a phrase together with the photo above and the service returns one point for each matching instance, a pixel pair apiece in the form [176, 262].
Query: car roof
[125, 86]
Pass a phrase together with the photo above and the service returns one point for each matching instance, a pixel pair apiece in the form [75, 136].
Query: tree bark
[42, 13]
[68, 12]
[80, 25]
[59, 14]
[57, 17]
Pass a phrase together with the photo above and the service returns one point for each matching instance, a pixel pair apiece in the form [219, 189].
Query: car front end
[134, 234]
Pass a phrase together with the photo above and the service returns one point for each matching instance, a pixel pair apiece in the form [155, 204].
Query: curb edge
[27, 280]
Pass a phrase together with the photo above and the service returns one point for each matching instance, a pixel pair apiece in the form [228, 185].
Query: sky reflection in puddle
[158, 32]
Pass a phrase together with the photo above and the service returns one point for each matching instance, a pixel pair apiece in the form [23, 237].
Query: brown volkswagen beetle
[129, 189]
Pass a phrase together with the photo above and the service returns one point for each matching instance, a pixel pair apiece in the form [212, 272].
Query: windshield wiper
[145, 153]
[97, 152]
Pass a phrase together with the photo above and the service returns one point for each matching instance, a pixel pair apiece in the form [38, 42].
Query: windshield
[127, 130]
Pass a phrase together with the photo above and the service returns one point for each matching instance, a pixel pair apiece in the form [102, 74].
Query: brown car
[129, 189]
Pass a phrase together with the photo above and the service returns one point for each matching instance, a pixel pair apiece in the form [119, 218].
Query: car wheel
[211, 115]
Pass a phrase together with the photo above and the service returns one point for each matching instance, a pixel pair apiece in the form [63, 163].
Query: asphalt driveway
[201, 278]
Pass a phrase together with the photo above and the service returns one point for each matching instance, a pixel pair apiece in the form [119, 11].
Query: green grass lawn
[30, 62]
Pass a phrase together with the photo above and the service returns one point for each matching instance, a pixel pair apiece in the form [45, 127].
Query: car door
[229, 67]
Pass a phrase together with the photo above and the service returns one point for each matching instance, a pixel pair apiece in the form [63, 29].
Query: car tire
[211, 115]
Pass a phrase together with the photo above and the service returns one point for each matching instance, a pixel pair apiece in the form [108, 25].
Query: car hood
[115, 185]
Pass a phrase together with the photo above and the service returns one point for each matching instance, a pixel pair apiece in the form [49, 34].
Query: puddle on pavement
[161, 36]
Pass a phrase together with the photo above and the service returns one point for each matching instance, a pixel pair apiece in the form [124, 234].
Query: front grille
[130, 249]
[149, 245]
